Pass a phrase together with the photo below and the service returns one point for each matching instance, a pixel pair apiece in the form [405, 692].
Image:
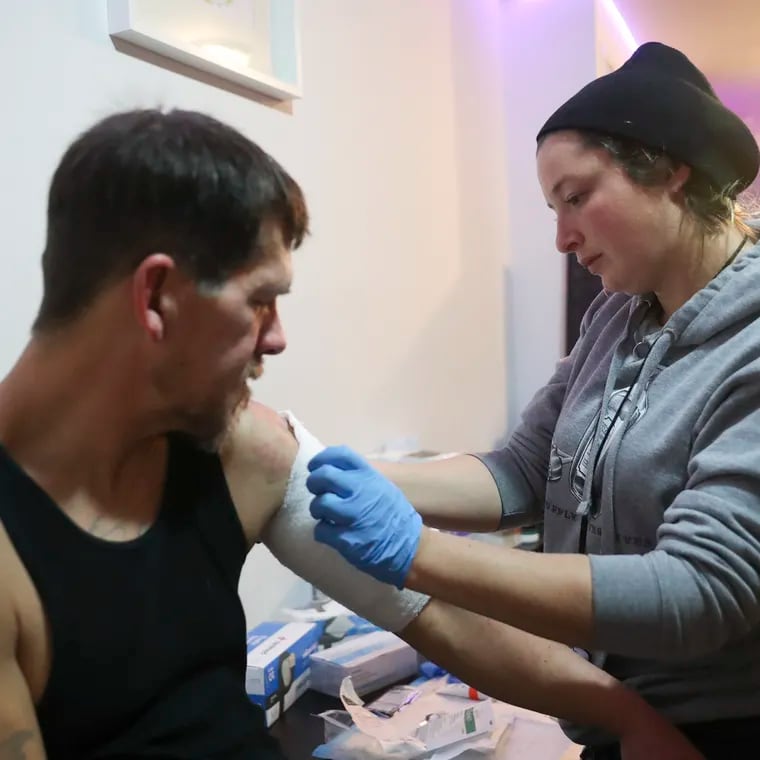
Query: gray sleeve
[700, 587]
[520, 468]
[519, 506]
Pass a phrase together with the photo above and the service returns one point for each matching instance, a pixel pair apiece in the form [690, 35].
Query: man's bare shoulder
[262, 442]
[21, 680]
[23, 631]
[257, 456]
[8, 595]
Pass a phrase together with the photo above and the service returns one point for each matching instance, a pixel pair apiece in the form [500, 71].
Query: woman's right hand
[654, 738]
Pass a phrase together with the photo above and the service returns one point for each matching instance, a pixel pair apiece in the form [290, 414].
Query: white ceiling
[722, 37]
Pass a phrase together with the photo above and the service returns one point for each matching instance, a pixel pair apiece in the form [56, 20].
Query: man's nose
[272, 340]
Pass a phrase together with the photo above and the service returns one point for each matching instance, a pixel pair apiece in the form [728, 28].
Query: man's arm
[19, 733]
[527, 671]
[265, 466]
[257, 457]
[457, 493]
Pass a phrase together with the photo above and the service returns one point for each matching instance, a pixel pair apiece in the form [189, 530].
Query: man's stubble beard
[217, 443]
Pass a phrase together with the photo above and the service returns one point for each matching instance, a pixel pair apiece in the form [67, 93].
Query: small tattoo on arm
[12, 748]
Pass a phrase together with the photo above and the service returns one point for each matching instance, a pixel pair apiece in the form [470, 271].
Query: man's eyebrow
[270, 290]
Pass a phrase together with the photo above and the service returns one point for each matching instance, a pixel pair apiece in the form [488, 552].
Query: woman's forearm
[457, 493]
[523, 669]
[547, 595]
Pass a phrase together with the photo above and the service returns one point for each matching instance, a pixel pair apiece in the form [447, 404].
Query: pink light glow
[620, 23]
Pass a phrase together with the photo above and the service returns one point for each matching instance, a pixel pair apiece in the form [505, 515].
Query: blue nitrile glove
[363, 515]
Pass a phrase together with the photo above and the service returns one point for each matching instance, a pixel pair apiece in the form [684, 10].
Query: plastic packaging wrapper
[429, 726]
[501, 731]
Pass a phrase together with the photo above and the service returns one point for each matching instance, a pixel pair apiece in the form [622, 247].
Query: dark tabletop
[298, 731]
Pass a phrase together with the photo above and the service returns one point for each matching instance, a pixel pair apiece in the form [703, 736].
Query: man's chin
[212, 437]
[256, 371]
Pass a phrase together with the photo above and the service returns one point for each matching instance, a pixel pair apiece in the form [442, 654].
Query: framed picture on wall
[252, 43]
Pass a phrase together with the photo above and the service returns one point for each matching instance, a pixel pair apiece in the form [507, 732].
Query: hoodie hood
[731, 297]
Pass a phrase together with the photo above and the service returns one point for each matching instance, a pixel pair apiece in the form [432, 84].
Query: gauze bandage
[290, 537]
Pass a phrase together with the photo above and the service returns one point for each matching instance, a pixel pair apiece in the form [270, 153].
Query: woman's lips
[589, 261]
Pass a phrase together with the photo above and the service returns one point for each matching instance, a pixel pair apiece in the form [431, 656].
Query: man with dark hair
[148, 181]
[135, 474]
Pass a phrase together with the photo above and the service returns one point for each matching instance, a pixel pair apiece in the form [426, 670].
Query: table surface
[298, 730]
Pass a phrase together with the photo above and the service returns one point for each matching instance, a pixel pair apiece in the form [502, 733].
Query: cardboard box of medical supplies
[278, 666]
[373, 661]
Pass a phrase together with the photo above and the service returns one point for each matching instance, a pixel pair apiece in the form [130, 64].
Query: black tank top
[148, 635]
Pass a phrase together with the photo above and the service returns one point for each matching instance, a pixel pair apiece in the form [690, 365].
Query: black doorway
[582, 288]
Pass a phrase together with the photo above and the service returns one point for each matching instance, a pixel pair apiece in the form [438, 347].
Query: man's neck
[67, 415]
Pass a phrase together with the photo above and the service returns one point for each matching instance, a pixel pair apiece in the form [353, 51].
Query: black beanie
[660, 99]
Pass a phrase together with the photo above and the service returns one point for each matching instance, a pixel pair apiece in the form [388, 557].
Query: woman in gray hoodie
[641, 453]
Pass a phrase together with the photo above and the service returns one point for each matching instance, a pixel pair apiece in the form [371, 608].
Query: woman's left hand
[363, 515]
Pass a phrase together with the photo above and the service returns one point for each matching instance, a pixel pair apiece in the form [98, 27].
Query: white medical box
[278, 664]
[373, 661]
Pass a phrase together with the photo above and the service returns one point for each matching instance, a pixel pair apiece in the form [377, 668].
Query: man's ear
[149, 296]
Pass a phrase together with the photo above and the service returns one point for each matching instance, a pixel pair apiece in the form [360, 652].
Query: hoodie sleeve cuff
[627, 605]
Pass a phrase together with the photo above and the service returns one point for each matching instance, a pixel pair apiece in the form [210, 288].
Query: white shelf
[219, 37]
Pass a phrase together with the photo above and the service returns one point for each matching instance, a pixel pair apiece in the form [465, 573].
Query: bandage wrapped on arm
[290, 537]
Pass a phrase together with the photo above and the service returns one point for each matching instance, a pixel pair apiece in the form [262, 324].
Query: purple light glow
[620, 23]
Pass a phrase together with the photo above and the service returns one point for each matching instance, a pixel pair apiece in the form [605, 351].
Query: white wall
[396, 321]
[549, 53]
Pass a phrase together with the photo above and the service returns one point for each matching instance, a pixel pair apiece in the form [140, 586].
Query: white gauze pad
[290, 537]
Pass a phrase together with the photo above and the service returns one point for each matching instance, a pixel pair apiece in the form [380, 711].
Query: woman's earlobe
[679, 178]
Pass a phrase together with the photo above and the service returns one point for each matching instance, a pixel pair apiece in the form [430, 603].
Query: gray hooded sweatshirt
[662, 490]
